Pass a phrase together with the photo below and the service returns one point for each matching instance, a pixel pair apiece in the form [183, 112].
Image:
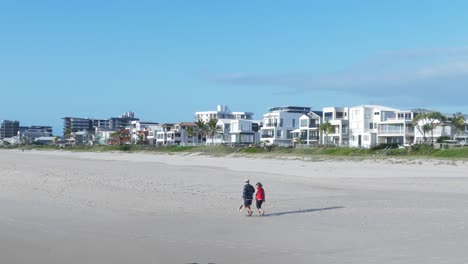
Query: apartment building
[364, 123]
[279, 123]
[308, 132]
[338, 117]
[222, 112]
[140, 128]
[9, 129]
[237, 132]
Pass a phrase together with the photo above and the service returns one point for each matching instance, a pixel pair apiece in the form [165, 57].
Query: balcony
[267, 136]
[271, 124]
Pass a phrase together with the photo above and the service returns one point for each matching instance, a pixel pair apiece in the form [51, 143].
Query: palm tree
[326, 128]
[200, 128]
[190, 132]
[213, 129]
[458, 121]
[427, 122]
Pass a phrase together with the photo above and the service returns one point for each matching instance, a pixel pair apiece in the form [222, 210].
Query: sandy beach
[70, 207]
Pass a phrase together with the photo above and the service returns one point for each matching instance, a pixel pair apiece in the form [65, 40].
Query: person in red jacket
[260, 198]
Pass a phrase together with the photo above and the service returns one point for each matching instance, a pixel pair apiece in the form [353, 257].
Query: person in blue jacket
[247, 195]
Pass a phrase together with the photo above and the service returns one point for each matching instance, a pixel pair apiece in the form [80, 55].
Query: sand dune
[64, 207]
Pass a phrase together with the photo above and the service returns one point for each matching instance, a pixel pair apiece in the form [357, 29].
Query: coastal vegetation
[382, 151]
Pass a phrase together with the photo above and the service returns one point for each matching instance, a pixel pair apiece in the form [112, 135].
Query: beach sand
[70, 207]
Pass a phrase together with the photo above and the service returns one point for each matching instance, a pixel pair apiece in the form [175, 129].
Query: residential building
[179, 134]
[279, 123]
[308, 132]
[162, 136]
[125, 120]
[30, 133]
[75, 124]
[363, 124]
[139, 129]
[236, 132]
[152, 133]
[9, 129]
[338, 117]
[396, 127]
[222, 112]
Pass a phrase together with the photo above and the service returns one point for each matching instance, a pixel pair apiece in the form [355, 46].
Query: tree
[427, 122]
[190, 132]
[200, 128]
[213, 129]
[327, 129]
[458, 121]
[67, 133]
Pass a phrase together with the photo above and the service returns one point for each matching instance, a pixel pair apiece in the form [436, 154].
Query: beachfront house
[280, 122]
[178, 134]
[139, 131]
[162, 136]
[308, 132]
[364, 123]
[338, 117]
[236, 132]
[222, 112]
[396, 127]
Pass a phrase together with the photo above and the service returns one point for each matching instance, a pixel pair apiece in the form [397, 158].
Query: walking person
[247, 195]
[260, 198]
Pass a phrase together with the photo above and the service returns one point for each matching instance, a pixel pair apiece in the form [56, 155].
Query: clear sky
[164, 60]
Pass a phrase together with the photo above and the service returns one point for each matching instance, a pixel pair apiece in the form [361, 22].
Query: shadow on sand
[304, 211]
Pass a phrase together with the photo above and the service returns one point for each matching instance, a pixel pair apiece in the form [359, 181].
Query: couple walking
[247, 195]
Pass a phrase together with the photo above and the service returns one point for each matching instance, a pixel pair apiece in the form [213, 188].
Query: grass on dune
[220, 150]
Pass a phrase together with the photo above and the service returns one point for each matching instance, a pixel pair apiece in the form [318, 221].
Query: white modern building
[140, 128]
[338, 117]
[397, 127]
[162, 137]
[222, 112]
[152, 133]
[236, 132]
[179, 135]
[363, 124]
[308, 132]
[280, 122]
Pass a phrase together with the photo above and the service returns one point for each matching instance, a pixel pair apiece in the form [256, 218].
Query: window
[371, 125]
[289, 134]
[376, 113]
[339, 115]
[366, 138]
[281, 122]
[303, 122]
[278, 134]
[293, 122]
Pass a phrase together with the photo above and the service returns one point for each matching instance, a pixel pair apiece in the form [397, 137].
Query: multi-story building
[236, 132]
[125, 120]
[162, 136]
[338, 117]
[308, 132]
[397, 127]
[30, 133]
[222, 112]
[179, 134]
[363, 124]
[9, 129]
[75, 124]
[139, 128]
[279, 123]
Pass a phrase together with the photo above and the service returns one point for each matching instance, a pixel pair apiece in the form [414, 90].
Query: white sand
[62, 207]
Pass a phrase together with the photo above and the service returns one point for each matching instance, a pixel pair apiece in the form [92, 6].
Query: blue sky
[164, 60]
